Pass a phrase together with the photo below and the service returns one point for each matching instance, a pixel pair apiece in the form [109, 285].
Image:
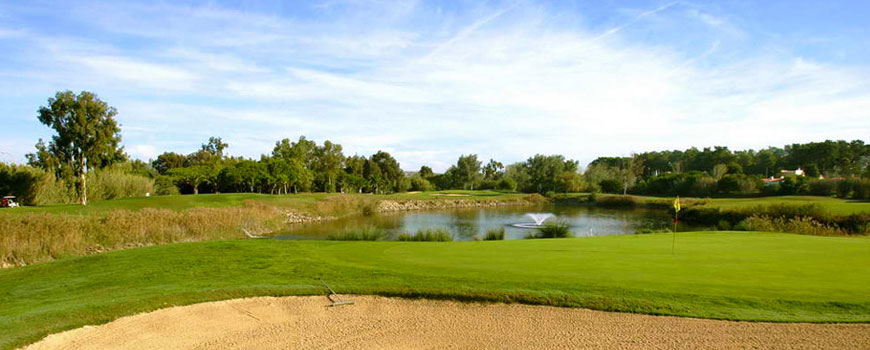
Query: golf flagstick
[676, 220]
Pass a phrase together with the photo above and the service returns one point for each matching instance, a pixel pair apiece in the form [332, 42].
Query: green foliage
[168, 161]
[116, 183]
[21, 181]
[51, 190]
[823, 187]
[494, 234]
[193, 177]
[87, 137]
[165, 186]
[854, 188]
[418, 183]
[799, 225]
[553, 229]
[428, 235]
[610, 186]
[507, 184]
[792, 185]
[365, 233]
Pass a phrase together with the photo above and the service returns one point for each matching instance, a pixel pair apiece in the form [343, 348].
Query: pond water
[465, 224]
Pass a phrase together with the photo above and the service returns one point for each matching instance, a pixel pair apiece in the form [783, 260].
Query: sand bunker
[385, 323]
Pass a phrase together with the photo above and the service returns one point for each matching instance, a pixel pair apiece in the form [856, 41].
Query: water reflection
[465, 224]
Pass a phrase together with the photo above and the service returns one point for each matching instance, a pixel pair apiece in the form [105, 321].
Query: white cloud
[143, 151]
[504, 82]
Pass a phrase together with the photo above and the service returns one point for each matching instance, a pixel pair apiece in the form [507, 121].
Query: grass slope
[738, 276]
[835, 206]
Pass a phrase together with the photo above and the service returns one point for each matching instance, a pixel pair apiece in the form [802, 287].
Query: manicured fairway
[833, 205]
[740, 276]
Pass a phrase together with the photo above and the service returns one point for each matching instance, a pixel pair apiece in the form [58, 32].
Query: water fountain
[538, 219]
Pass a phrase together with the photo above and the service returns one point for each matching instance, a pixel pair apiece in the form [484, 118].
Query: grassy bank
[834, 206]
[737, 276]
[38, 234]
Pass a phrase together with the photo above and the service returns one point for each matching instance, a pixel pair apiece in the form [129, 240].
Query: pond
[466, 224]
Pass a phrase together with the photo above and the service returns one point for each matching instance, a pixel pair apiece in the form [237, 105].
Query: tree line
[84, 160]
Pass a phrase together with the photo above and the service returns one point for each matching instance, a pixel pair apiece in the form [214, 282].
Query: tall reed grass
[552, 229]
[32, 238]
[494, 234]
[365, 233]
[428, 235]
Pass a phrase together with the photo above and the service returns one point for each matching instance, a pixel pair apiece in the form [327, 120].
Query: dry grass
[33, 238]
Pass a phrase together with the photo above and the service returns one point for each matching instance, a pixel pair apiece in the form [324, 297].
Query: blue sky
[428, 81]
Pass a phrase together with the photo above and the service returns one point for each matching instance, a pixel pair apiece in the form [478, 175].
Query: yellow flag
[677, 204]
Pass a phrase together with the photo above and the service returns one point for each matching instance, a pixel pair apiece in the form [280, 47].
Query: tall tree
[468, 171]
[88, 136]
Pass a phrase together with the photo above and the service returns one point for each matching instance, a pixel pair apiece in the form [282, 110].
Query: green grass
[835, 206]
[736, 276]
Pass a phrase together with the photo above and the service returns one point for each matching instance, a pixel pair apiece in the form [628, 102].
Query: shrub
[617, 201]
[428, 235]
[823, 187]
[365, 233]
[165, 186]
[51, 190]
[610, 186]
[115, 183]
[507, 184]
[799, 225]
[420, 184]
[494, 234]
[553, 229]
[20, 181]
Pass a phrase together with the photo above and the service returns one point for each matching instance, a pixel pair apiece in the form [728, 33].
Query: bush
[610, 186]
[115, 183]
[825, 188]
[366, 233]
[617, 201]
[51, 190]
[507, 184]
[165, 186]
[553, 229]
[20, 181]
[853, 188]
[494, 234]
[420, 184]
[428, 235]
[799, 225]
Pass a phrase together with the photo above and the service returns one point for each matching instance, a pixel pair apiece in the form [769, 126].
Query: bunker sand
[387, 323]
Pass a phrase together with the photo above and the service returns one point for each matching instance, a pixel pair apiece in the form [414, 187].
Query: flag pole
[674, 234]
[676, 220]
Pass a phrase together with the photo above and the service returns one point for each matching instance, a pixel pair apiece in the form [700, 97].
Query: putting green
[724, 275]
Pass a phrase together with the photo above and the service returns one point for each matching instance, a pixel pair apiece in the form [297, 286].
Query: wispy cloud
[428, 83]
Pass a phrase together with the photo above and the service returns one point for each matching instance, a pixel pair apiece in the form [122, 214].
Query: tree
[167, 161]
[493, 170]
[215, 147]
[327, 165]
[468, 171]
[88, 136]
[425, 172]
[193, 176]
